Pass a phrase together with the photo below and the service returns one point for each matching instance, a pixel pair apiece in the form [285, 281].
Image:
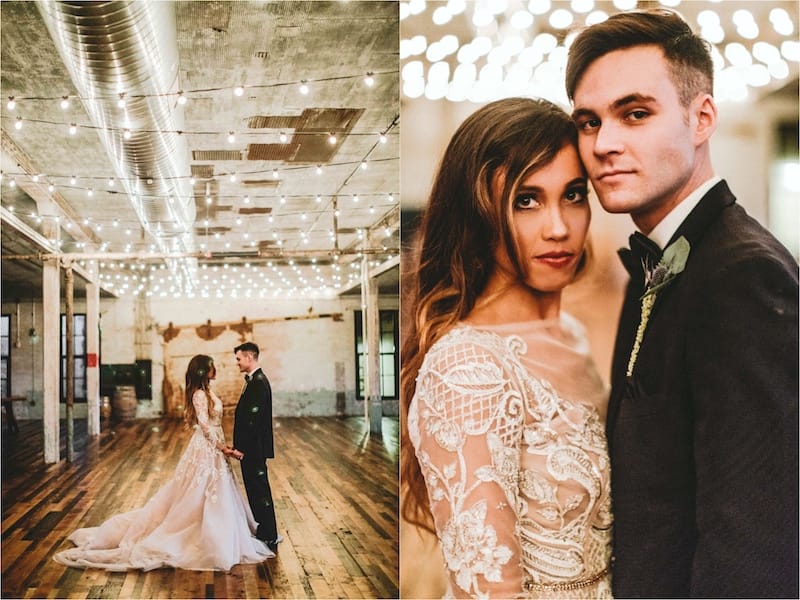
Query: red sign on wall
[91, 359]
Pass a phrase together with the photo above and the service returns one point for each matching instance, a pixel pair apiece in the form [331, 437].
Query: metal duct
[130, 48]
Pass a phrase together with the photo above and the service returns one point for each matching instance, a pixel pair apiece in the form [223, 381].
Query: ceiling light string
[18, 176]
[19, 120]
[15, 100]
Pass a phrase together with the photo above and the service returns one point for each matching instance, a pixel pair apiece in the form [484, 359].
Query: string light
[127, 134]
[369, 80]
[332, 139]
[181, 98]
[18, 123]
[382, 138]
[64, 102]
[238, 91]
[231, 137]
[73, 128]
[121, 101]
[12, 104]
[303, 87]
[283, 138]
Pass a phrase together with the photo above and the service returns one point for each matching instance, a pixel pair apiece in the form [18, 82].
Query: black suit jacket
[252, 426]
[703, 436]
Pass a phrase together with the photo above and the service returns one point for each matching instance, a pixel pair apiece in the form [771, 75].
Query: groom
[703, 416]
[252, 441]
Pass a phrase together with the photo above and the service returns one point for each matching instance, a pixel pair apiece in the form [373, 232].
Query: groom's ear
[703, 115]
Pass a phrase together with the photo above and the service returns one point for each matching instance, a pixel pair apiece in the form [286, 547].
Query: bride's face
[550, 219]
[212, 372]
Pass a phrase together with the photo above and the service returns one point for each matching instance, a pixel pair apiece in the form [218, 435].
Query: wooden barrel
[124, 403]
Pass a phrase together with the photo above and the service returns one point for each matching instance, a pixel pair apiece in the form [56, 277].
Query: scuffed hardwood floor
[335, 490]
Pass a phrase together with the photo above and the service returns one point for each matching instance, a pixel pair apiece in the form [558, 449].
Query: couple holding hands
[684, 483]
[199, 519]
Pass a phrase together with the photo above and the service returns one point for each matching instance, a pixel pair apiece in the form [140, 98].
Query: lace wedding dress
[198, 520]
[508, 426]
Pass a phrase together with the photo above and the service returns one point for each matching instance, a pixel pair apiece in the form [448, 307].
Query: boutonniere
[672, 263]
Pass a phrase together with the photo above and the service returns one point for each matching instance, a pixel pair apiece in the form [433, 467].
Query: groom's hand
[236, 454]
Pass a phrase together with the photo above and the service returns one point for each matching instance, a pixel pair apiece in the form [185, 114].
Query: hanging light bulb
[231, 137]
[355, 197]
[12, 104]
[274, 173]
[64, 102]
[382, 138]
[111, 182]
[303, 87]
[246, 199]
[319, 198]
[319, 169]
[181, 98]
[192, 181]
[73, 129]
[12, 183]
[283, 199]
[126, 134]
[121, 101]
[90, 192]
[238, 91]
[36, 178]
[363, 165]
[18, 123]
[233, 178]
[369, 80]
[51, 188]
[283, 138]
[73, 179]
[332, 138]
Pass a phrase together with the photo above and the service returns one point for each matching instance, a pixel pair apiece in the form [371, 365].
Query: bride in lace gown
[503, 452]
[198, 520]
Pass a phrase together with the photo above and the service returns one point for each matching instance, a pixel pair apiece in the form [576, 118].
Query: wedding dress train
[199, 520]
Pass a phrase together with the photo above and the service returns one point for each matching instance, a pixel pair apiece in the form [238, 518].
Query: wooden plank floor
[335, 490]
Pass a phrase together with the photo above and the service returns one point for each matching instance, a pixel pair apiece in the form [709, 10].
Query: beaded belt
[532, 586]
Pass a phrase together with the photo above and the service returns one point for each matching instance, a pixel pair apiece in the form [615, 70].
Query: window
[389, 353]
[79, 350]
[5, 354]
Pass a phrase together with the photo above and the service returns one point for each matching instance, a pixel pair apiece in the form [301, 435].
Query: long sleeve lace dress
[508, 426]
[198, 520]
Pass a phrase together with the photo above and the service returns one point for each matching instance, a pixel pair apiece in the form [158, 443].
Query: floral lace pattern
[203, 464]
[517, 474]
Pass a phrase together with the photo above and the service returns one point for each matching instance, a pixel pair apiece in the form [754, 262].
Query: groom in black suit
[703, 416]
[252, 441]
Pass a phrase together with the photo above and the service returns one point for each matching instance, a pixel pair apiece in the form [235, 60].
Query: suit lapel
[693, 228]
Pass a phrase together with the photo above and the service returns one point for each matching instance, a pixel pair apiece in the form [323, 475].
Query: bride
[503, 445]
[198, 520]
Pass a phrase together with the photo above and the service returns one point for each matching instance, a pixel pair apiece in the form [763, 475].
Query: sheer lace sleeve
[200, 401]
[467, 422]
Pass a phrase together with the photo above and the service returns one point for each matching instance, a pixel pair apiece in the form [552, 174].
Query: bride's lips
[556, 259]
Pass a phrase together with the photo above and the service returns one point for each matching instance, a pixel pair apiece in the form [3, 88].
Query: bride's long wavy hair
[461, 228]
[198, 376]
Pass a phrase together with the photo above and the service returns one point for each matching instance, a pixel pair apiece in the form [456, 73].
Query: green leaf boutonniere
[672, 263]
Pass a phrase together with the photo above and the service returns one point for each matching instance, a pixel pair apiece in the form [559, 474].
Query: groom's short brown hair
[247, 347]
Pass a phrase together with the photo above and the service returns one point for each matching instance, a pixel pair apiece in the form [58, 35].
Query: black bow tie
[643, 252]
[247, 378]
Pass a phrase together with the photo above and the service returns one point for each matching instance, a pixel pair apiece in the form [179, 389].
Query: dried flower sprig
[672, 263]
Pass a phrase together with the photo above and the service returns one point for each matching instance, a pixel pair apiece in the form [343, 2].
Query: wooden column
[371, 331]
[51, 357]
[93, 356]
[70, 353]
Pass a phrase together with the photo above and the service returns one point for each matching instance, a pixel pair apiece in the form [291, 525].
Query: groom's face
[245, 361]
[635, 138]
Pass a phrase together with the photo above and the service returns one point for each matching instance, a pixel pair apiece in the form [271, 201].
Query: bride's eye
[525, 202]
